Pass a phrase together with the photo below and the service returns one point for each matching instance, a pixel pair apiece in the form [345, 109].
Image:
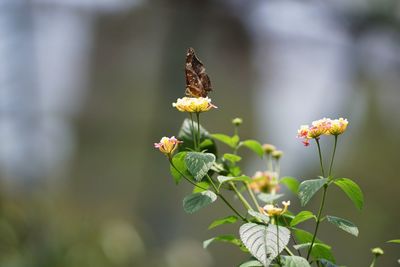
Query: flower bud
[377, 252]
[237, 121]
[268, 148]
[277, 154]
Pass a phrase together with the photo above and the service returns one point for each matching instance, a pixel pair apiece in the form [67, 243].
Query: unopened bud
[277, 154]
[377, 251]
[268, 148]
[237, 121]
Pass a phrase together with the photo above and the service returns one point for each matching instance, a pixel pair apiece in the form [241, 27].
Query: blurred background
[86, 88]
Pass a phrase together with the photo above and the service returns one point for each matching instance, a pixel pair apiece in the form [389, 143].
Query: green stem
[198, 129]
[373, 262]
[187, 179]
[318, 221]
[240, 196]
[320, 157]
[291, 236]
[253, 197]
[193, 132]
[277, 241]
[333, 155]
[224, 199]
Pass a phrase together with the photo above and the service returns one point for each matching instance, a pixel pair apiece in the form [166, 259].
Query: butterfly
[198, 83]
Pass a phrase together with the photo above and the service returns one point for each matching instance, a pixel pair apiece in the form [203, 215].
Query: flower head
[272, 210]
[303, 133]
[268, 148]
[319, 128]
[277, 154]
[168, 145]
[264, 182]
[193, 104]
[338, 126]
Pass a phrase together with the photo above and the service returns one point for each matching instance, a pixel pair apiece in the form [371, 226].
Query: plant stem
[333, 155]
[320, 157]
[277, 241]
[240, 196]
[224, 199]
[291, 236]
[187, 179]
[193, 132]
[253, 197]
[318, 221]
[373, 262]
[198, 129]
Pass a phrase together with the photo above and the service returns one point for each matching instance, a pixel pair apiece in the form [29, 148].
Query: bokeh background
[86, 88]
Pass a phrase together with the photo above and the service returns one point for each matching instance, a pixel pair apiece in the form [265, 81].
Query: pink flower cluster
[320, 127]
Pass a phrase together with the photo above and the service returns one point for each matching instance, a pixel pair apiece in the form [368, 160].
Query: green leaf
[203, 184]
[262, 241]
[251, 263]
[259, 216]
[179, 162]
[185, 135]
[343, 224]
[308, 188]
[301, 217]
[226, 139]
[232, 157]
[291, 183]
[320, 251]
[227, 220]
[199, 164]
[394, 241]
[196, 201]
[269, 198]
[223, 238]
[253, 145]
[223, 179]
[326, 263]
[307, 245]
[352, 190]
[294, 261]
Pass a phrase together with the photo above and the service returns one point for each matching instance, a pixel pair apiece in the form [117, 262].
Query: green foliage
[259, 216]
[319, 251]
[179, 162]
[294, 261]
[326, 263]
[186, 135]
[232, 157]
[196, 201]
[227, 220]
[253, 145]
[343, 224]
[199, 164]
[394, 241]
[352, 190]
[223, 179]
[291, 183]
[301, 217]
[226, 139]
[223, 238]
[203, 184]
[251, 263]
[262, 241]
[269, 198]
[308, 188]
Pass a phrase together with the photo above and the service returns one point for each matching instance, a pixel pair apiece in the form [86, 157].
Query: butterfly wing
[198, 83]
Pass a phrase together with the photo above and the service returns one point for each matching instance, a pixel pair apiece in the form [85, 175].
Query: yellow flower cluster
[320, 127]
[193, 104]
[167, 145]
[272, 210]
[265, 182]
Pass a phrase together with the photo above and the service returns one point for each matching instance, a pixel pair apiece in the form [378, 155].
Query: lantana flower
[338, 126]
[167, 145]
[265, 182]
[193, 104]
[272, 210]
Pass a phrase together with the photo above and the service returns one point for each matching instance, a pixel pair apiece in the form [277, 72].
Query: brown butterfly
[198, 83]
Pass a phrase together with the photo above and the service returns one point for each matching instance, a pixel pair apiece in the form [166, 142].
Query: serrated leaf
[294, 261]
[223, 179]
[227, 220]
[259, 216]
[196, 201]
[232, 157]
[394, 241]
[179, 162]
[226, 139]
[186, 135]
[199, 164]
[262, 241]
[223, 238]
[203, 184]
[343, 224]
[352, 190]
[321, 251]
[301, 217]
[308, 188]
[251, 263]
[269, 198]
[253, 145]
[291, 183]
